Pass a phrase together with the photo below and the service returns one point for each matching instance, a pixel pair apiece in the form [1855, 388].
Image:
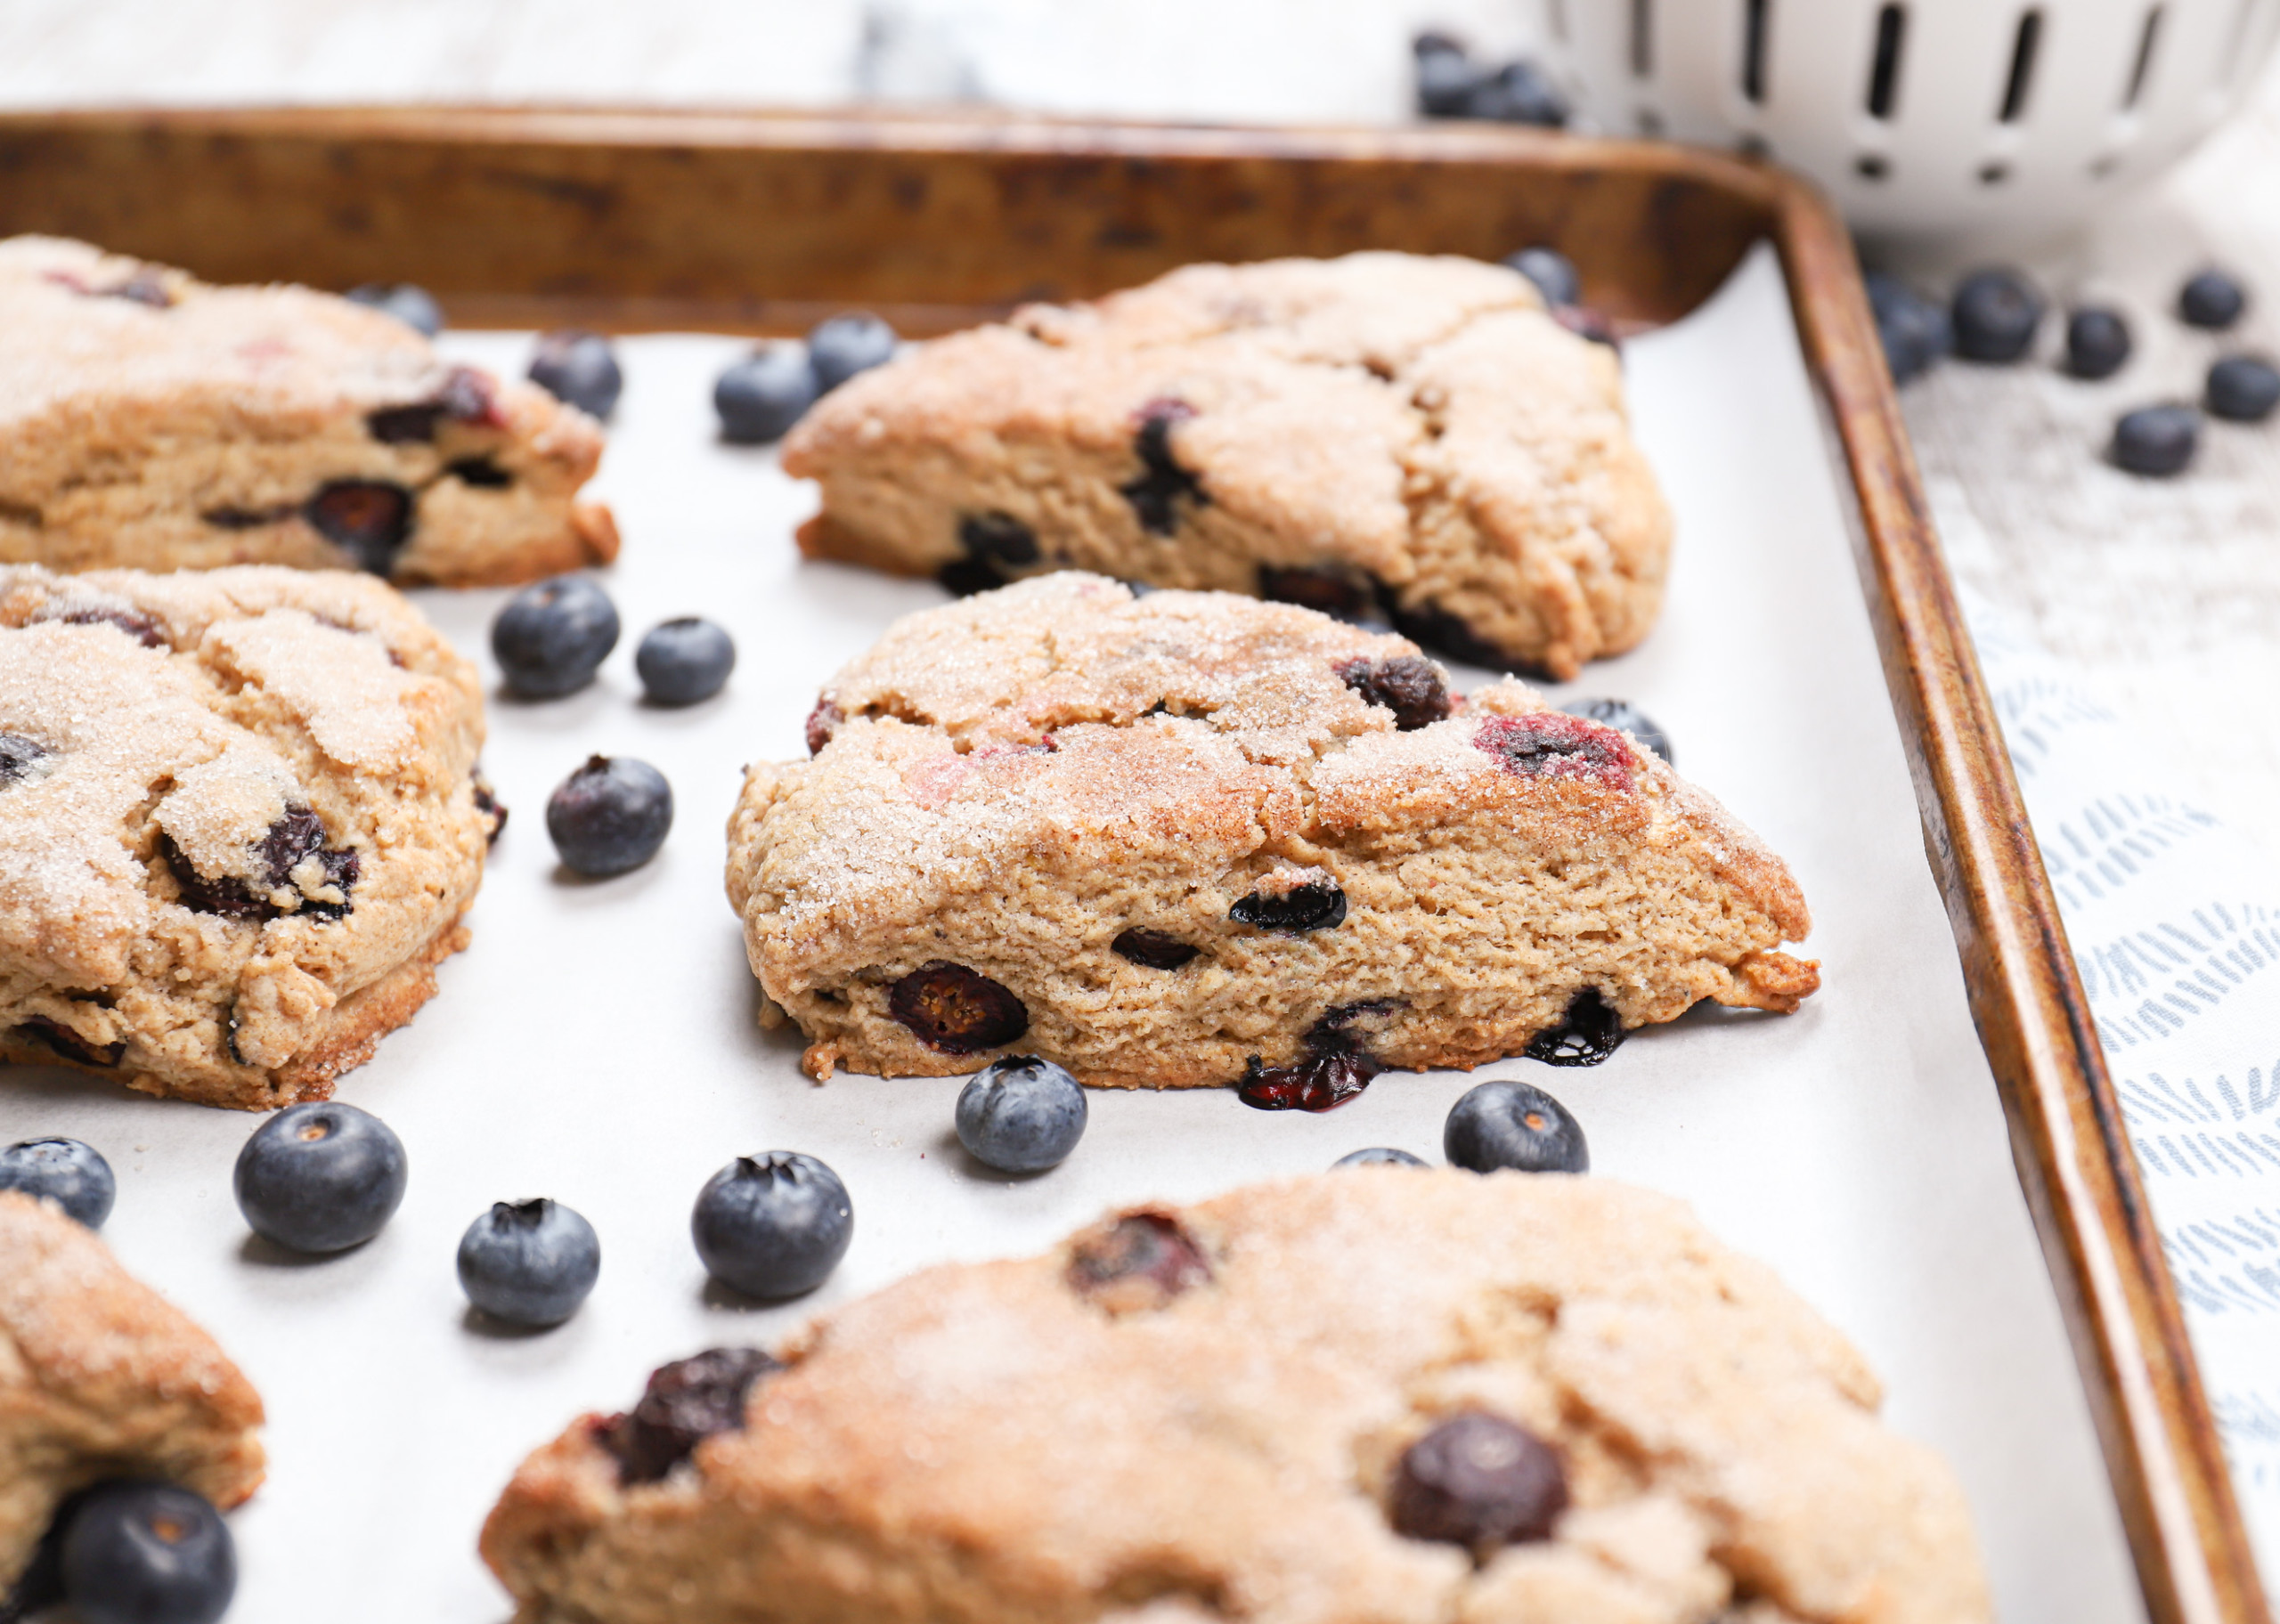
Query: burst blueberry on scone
[100, 1378]
[1190, 840]
[239, 820]
[1377, 1396]
[149, 420]
[1386, 434]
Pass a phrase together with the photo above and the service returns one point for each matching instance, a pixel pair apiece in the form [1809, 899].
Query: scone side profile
[1382, 434]
[244, 820]
[1193, 840]
[1234, 1410]
[154, 421]
[101, 1378]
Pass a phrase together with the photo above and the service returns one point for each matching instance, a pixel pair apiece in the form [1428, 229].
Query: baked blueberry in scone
[1191, 839]
[100, 1378]
[1400, 1397]
[239, 820]
[1381, 435]
[151, 421]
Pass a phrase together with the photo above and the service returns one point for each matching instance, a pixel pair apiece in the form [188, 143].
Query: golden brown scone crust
[150, 422]
[198, 720]
[1012, 782]
[989, 1443]
[102, 1378]
[1391, 426]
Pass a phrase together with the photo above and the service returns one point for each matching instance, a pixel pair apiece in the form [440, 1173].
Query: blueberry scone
[101, 1378]
[1382, 433]
[1381, 1396]
[240, 819]
[150, 422]
[1191, 839]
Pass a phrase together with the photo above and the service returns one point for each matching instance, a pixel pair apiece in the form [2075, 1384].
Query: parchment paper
[597, 1043]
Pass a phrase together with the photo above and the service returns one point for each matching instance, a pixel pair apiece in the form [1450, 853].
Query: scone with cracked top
[1380, 1396]
[101, 1378]
[150, 422]
[1383, 433]
[1191, 839]
[239, 820]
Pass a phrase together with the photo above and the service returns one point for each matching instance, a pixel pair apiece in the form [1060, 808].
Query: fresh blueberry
[529, 1262]
[1914, 331]
[1020, 1114]
[320, 1177]
[1552, 273]
[2212, 300]
[1512, 1124]
[1378, 1155]
[408, 303]
[551, 638]
[1627, 717]
[2098, 341]
[1447, 77]
[1480, 1480]
[2157, 440]
[1995, 314]
[579, 367]
[773, 1225]
[840, 348]
[684, 661]
[1519, 92]
[760, 397]
[145, 1552]
[2243, 389]
[72, 1175]
[609, 817]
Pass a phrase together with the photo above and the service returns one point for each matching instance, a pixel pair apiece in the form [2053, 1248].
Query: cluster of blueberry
[1995, 314]
[1451, 84]
[323, 1178]
[612, 815]
[758, 397]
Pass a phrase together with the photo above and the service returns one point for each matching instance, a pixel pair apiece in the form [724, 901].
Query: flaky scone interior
[1187, 839]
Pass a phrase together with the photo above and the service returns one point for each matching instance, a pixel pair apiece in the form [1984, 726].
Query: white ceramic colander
[1924, 118]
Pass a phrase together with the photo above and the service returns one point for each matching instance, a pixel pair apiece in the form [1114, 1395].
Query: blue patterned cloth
[2175, 919]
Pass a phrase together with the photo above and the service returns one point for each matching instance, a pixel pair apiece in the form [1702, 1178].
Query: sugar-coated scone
[101, 1378]
[150, 422]
[1189, 839]
[239, 820]
[1377, 1396]
[1383, 433]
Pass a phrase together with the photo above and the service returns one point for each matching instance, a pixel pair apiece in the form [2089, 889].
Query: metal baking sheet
[597, 1043]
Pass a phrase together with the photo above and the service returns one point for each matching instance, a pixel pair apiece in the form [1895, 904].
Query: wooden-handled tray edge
[2068, 1139]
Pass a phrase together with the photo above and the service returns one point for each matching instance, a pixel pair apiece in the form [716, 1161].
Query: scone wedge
[149, 420]
[1188, 840]
[1380, 1396]
[239, 820]
[1388, 434]
[100, 1378]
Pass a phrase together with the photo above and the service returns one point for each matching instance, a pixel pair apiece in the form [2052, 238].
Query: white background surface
[597, 1043]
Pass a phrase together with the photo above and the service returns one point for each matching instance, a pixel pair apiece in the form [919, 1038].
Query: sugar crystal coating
[1161, 839]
